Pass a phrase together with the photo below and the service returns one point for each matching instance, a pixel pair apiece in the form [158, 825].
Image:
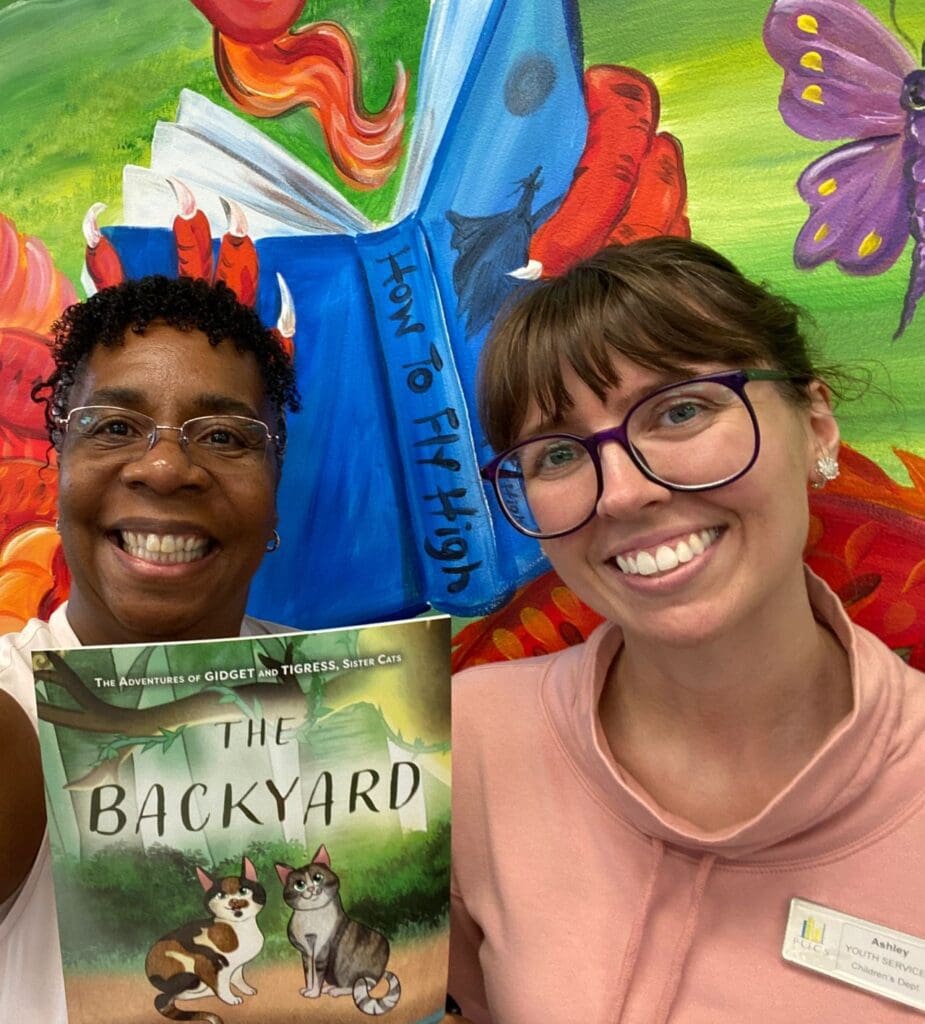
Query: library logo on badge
[813, 930]
[805, 939]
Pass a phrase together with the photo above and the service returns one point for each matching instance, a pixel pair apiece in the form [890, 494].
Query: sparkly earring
[826, 470]
[274, 542]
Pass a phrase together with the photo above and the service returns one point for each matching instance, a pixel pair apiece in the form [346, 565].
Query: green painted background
[83, 81]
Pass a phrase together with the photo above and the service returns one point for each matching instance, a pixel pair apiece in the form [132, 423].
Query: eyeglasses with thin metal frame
[505, 472]
[208, 440]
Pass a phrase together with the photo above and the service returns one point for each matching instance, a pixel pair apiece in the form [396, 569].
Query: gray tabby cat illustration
[340, 956]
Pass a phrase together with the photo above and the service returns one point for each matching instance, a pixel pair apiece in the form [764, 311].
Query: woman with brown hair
[671, 821]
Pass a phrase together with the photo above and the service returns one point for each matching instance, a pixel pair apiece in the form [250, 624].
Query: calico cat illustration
[207, 957]
[340, 956]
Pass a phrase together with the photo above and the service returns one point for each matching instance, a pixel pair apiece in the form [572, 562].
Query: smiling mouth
[666, 557]
[163, 548]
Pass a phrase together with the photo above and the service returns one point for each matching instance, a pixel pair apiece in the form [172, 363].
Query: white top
[31, 982]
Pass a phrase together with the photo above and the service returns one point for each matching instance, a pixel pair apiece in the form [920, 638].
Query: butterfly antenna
[907, 39]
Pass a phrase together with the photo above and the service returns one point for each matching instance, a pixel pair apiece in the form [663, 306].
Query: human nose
[165, 465]
[624, 488]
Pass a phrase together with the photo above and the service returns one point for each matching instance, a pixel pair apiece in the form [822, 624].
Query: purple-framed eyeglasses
[693, 435]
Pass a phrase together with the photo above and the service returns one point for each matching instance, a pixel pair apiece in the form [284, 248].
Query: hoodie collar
[841, 770]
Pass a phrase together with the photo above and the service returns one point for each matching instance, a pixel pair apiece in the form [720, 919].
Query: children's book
[381, 499]
[254, 830]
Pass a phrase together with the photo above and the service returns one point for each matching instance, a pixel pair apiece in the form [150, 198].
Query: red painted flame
[316, 66]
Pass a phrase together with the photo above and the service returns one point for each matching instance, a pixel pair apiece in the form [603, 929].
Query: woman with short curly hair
[167, 410]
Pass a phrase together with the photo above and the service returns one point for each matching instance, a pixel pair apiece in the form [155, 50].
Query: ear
[824, 434]
[284, 871]
[321, 857]
[248, 870]
[204, 880]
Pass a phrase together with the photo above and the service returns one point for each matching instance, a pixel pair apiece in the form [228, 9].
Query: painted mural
[377, 178]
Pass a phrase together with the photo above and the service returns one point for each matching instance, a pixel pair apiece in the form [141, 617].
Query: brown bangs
[669, 305]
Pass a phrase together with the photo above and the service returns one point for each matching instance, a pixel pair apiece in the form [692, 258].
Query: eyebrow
[555, 424]
[204, 404]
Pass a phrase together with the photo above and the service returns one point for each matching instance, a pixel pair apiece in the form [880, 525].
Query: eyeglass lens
[696, 435]
[105, 428]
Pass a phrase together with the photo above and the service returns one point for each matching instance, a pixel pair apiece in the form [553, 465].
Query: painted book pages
[172, 764]
[383, 461]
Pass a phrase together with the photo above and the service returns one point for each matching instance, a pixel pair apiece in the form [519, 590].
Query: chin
[163, 625]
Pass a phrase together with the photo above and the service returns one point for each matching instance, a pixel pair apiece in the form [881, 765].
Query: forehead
[170, 370]
[631, 382]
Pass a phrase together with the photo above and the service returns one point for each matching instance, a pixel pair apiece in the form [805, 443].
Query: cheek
[78, 492]
[568, 555]
[256, 505]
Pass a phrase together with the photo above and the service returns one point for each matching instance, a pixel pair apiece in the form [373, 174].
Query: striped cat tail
[373, 1005]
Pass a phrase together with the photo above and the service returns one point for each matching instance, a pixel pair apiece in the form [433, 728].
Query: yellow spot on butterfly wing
[822, 233]
[870, 244]
[813, 94]
[808, 24]
[812, 59]
[827, 187]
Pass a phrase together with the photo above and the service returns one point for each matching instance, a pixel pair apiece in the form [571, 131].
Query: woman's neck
[713, 732]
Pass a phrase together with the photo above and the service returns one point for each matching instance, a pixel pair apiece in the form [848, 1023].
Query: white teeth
[164, 549]
[646, 564]
[666, 558]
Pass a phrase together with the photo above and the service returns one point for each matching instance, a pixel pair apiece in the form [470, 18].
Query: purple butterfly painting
[846, 76]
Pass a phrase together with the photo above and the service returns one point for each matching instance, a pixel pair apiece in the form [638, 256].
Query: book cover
[382, 463]
[255, 829]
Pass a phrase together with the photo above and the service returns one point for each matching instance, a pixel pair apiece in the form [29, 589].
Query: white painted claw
[237, 221]
[286, 322]
[186, 201]
[91, 226]
[533, 271]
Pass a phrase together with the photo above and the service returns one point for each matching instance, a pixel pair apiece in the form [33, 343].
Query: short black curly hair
[189, 304]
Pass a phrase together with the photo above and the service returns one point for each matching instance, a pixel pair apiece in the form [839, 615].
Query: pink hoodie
[578, 900]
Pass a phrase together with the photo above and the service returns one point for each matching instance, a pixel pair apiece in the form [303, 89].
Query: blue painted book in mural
[383, 511]
[256, 829]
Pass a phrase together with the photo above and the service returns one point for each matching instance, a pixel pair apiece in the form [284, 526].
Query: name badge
[860, 953]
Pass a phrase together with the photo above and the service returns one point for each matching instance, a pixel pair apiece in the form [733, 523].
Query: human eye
[225, 435]
[552, 457]
[111, 427]
[690, 408]
[681, 411]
